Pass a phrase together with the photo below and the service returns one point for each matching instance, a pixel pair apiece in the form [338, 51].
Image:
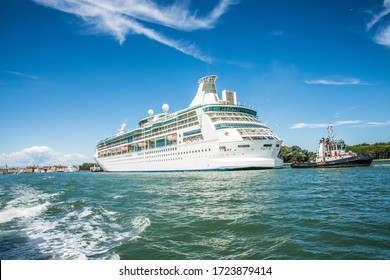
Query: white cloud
[383, 37]
[373, 124]
[121, 17]
[241, 64]
[379, 123]
[351, 123]
[381, 25]
[308, 125]
[347, 122]
[379, 16]
[32, 77]
[40, 155]
[338, 114]
[338, 81]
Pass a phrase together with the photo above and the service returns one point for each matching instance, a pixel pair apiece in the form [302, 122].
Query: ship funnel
[207, 92]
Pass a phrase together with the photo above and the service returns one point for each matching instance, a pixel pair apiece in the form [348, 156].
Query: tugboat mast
[330, 132]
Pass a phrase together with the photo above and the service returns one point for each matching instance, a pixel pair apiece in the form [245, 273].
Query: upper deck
[164, 123]
[224, 113]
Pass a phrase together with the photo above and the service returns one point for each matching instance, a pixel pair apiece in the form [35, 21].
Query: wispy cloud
[337, 114]
[277, 33]
[308, 125]
[351, 123]
[120, 18]
[381, 26]
[347, 122]
[241, 64]
[336, 81]
[41, 155]
[383, 36]
[377, 17]
[373, 124]
[20, 74]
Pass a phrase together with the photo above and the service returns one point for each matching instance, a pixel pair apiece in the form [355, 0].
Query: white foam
[22, 212]
[382, 165]
[114, 257]
[140, 224]
[82, 234]
[27, 203]
[87, 212]
[79, 232]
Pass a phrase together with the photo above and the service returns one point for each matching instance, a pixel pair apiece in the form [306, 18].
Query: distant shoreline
[381, 160]
[375, 160]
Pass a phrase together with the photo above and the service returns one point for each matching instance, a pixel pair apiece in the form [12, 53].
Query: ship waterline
[211, 134]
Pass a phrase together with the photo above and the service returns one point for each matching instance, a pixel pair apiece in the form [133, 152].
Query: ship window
[243, 146]
[267, 145]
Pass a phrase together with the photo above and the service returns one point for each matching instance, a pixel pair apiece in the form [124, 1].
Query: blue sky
[72, 70]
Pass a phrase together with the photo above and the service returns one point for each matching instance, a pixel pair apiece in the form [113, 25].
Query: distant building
[37, 169]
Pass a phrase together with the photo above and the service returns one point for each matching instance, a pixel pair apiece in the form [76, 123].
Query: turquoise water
[264, 214]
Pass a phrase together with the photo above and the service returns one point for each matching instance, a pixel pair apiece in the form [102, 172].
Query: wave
[84, 233]
[9, 214]
[26, 203]
[78, 234]
[382, 165]
[140, 224]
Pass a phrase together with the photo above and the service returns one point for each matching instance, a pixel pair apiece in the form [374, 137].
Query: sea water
[260, 214]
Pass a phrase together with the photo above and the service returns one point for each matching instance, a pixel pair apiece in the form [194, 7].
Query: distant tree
[379, 150]
[295, 153]
[86, 166]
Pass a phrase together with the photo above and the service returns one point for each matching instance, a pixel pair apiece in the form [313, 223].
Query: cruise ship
[213, 133]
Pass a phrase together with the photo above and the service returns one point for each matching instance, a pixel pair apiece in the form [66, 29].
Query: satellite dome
[150, 112]
[165, 108]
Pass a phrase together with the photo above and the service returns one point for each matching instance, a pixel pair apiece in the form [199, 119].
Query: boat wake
[48, 228]
[27, 203]
[10, 213]
[140, 224]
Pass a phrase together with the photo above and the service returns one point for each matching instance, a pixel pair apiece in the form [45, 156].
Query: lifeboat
[141, 144]
[172, 137]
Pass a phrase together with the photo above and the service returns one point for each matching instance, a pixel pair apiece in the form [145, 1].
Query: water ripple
[264, 214]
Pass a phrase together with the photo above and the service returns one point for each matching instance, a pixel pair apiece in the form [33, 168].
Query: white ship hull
[195, 157]
[211, 134]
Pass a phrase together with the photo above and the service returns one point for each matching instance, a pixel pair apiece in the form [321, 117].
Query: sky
[71, 71]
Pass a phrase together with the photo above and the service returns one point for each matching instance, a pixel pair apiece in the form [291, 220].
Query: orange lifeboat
[141, 144]
[172, 137]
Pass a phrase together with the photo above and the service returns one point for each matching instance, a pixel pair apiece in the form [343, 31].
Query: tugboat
[331, 153]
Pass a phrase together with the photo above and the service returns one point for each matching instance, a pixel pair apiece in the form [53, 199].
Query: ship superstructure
[211, 134]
